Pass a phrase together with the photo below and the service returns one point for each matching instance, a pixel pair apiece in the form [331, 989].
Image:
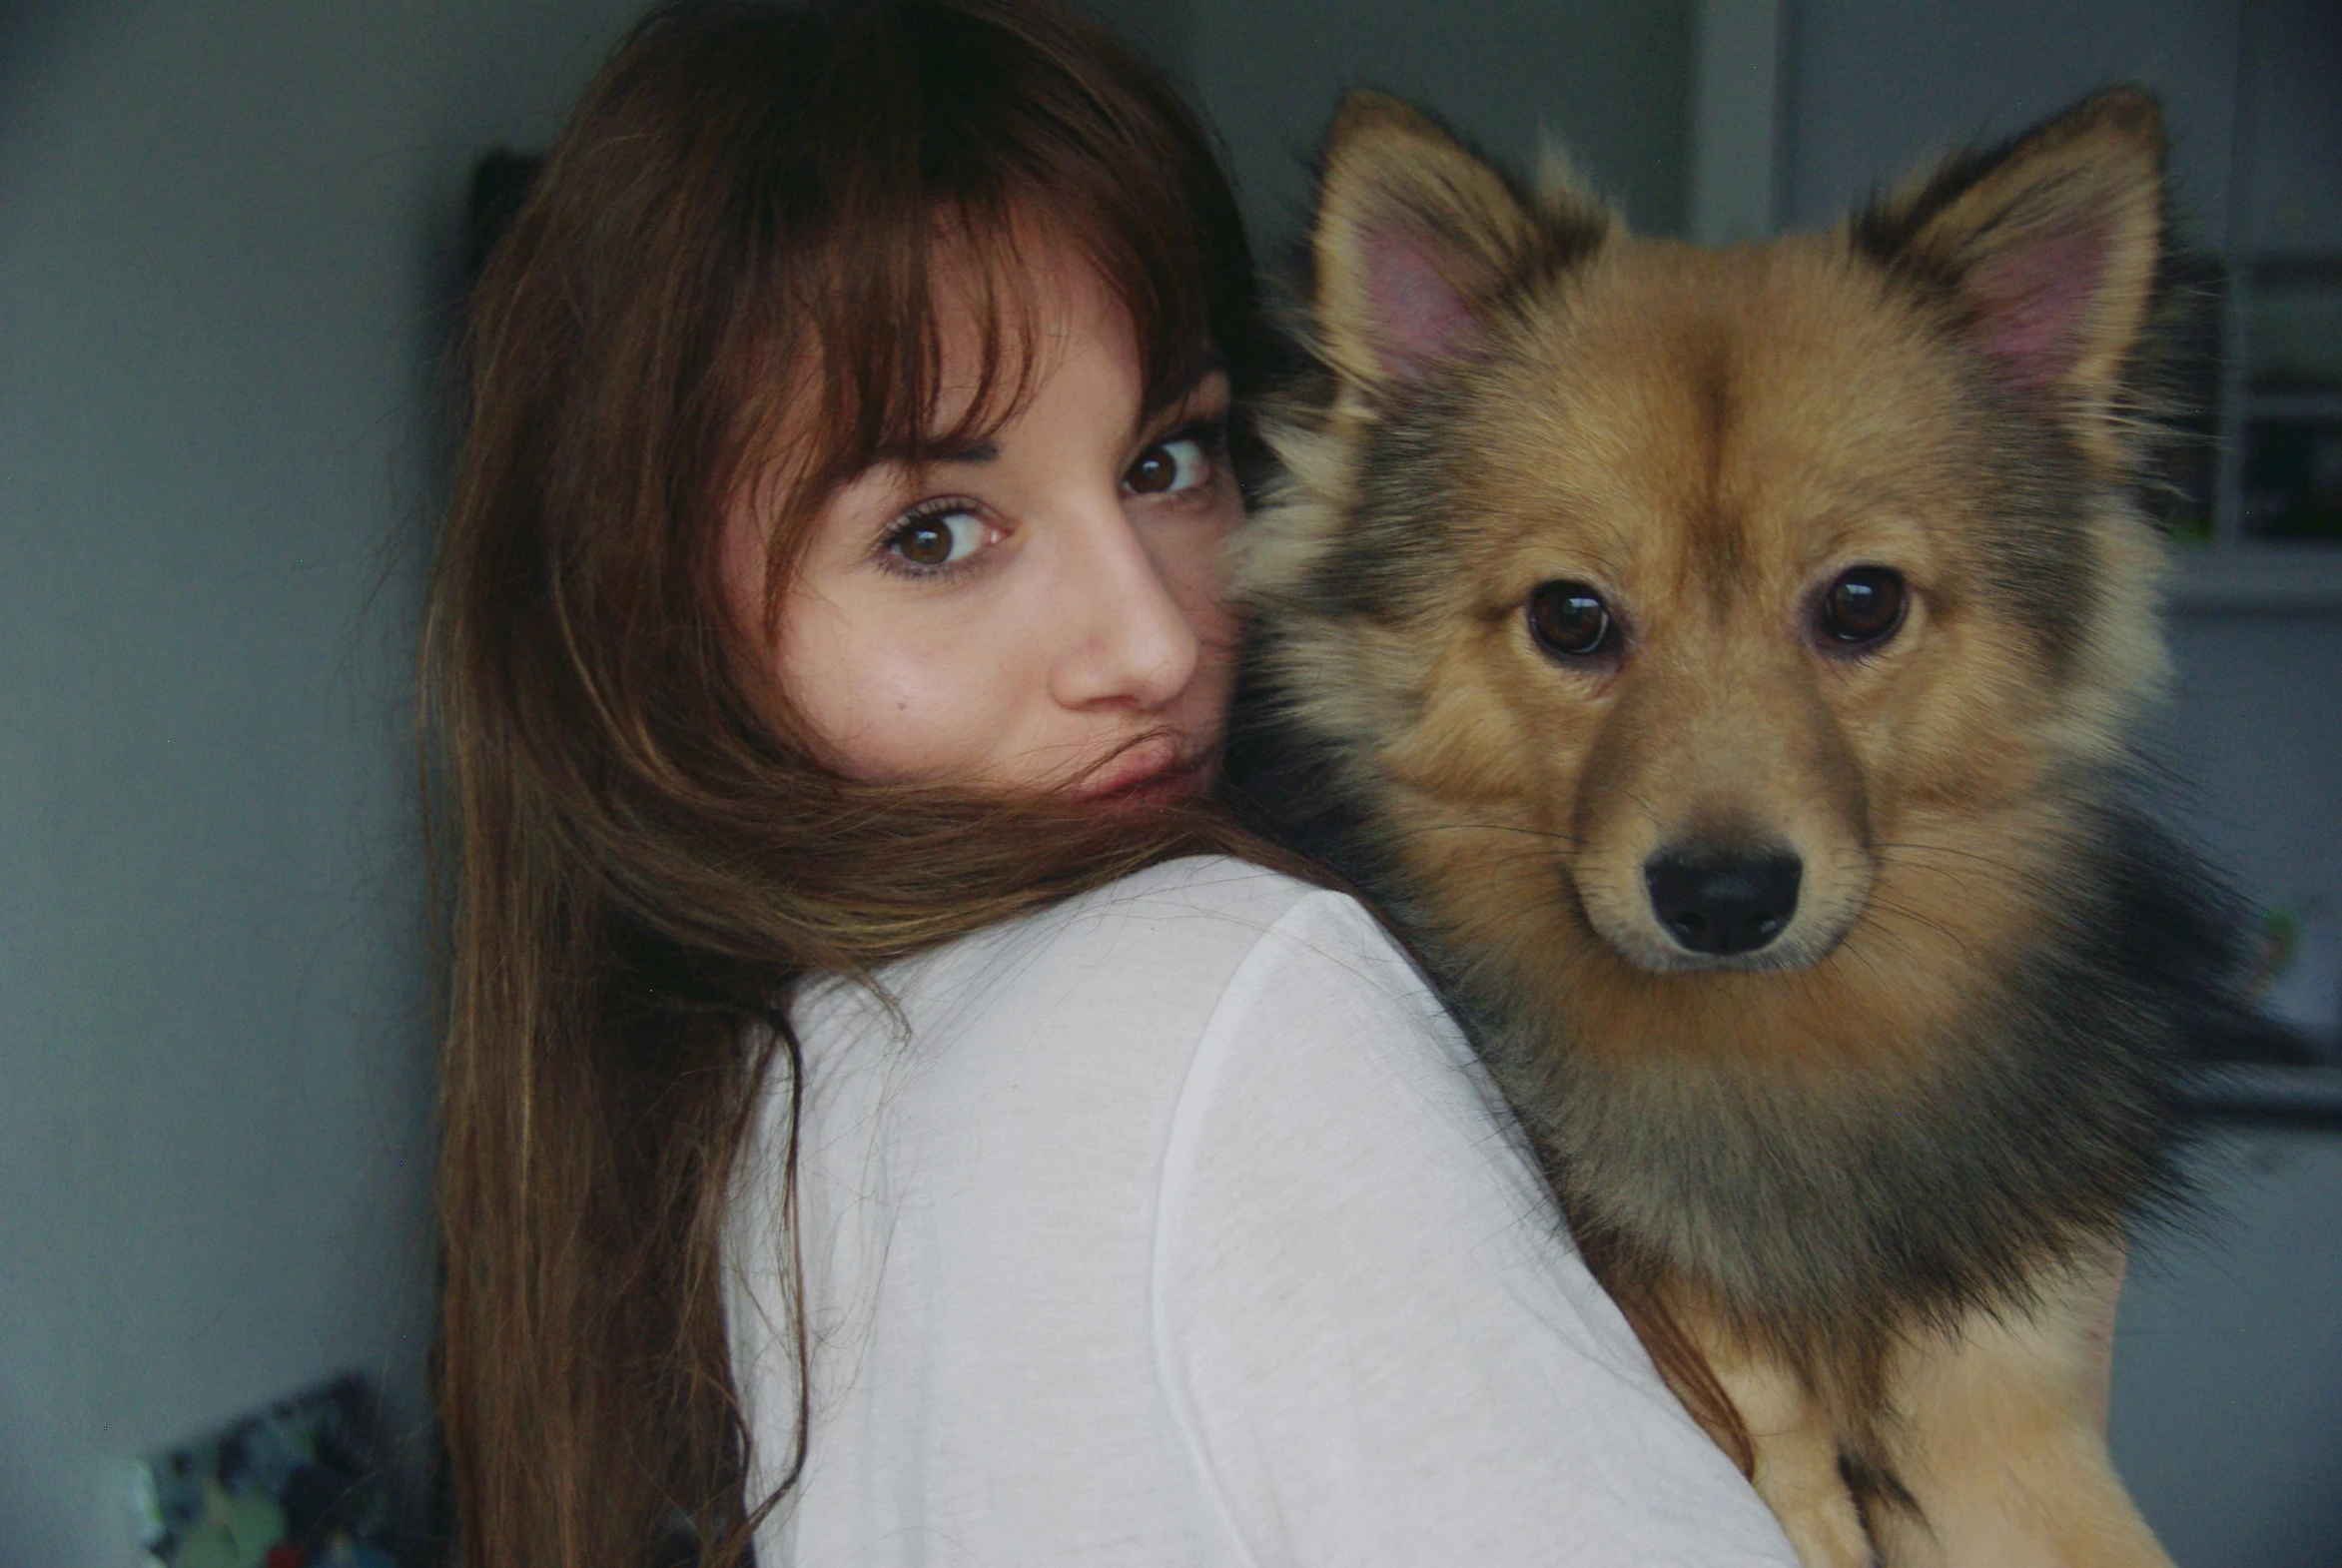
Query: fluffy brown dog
[1720, 663]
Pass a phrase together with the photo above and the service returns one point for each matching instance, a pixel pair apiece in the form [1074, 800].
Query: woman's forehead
[998, 309]
[1004, 323]
[1005, 305]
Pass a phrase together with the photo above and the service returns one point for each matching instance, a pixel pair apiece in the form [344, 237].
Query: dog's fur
[1863, 1188]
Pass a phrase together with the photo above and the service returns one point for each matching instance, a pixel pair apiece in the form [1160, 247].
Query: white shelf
[2303, 578]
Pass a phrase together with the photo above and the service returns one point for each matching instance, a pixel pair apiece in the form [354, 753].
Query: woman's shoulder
[1124, 1014]
[1158, 946]
[1202, 903]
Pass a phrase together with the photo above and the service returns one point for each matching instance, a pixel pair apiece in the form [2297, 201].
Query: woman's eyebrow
[931, 453]
[928, 455]
[1179, 389]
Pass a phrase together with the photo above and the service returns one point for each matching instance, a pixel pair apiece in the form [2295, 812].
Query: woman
[864, 1131]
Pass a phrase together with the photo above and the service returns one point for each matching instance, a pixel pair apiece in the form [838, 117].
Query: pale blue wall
[1606, 78]
[2228, 1361]
[1873, 88]
[226, 232]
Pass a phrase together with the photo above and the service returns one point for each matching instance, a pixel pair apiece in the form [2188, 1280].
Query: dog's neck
[1825, 1157]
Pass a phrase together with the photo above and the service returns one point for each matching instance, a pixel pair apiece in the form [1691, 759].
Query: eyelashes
[938, 537]
[945, 537]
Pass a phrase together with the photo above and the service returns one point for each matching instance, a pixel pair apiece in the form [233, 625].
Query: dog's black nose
[1722, 901]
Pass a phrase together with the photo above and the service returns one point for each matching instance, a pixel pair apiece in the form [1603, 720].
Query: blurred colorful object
[298, 1485]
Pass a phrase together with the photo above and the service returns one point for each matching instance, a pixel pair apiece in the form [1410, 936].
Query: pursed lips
[1157, 769]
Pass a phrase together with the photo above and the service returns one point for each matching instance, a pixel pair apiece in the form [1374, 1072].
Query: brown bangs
[956, 138]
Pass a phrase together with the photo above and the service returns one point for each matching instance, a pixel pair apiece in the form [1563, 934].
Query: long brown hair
[722, 276]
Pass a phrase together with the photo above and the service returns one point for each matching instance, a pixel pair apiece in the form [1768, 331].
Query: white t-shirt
[1181, 1226]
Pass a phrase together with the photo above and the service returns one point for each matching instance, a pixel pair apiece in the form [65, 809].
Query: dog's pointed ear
[2053, 247]
[1415, 238]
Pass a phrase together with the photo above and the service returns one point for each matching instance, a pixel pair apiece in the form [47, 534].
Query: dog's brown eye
[1569, 620]
[1864, 607]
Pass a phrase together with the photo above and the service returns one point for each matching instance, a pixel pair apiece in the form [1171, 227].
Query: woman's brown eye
[1864, 607]
[1569, 620]
[925, 543]
[1153, 472]
[936, 538]
[1181, 463]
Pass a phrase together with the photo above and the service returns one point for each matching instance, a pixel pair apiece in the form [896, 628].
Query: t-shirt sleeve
[1380, 1347]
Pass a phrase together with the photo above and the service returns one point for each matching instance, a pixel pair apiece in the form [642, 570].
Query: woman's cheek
[918, 717]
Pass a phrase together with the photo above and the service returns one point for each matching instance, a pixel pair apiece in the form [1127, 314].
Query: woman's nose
[1127, 640]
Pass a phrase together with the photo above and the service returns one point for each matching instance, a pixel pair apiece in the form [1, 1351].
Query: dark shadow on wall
[27, 27]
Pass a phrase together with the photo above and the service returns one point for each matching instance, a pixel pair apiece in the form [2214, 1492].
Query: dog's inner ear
[2034, 303]
[2052, 245]
[1418, 312]
[1415, 238]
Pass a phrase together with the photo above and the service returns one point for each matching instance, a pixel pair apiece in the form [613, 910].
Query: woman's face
[1015, 615]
